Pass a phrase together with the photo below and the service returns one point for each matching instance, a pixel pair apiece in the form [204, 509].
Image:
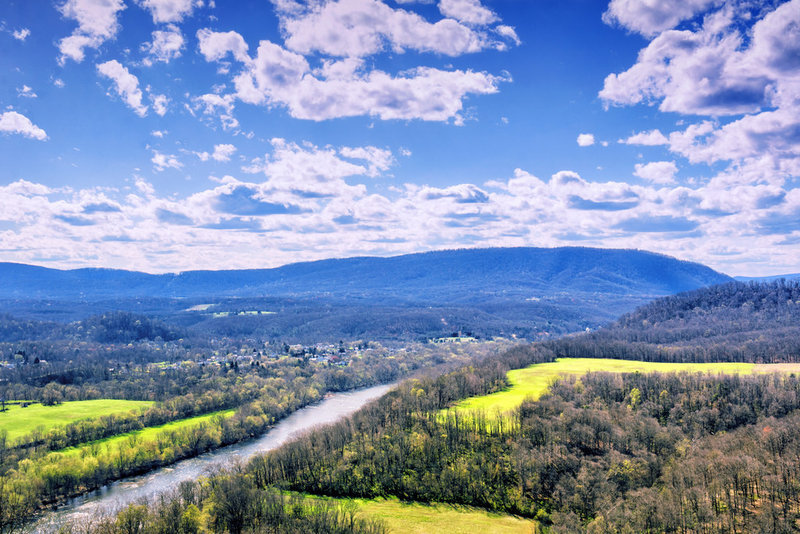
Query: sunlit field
[533, 381]
[19, 421]
[141, 437]
[416, 518]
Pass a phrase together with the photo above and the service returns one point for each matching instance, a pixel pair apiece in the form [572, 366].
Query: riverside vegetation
[599, 453]
[194, 395]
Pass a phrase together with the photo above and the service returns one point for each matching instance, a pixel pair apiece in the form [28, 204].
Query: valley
[469, 438]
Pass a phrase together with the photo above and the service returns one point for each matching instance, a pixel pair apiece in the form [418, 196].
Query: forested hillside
[454, 276]
[748, 322]
[527, 293]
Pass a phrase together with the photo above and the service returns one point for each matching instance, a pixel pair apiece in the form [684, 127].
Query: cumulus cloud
[649, 138]
[309, 202]
[164, 11]
[26, 92]
[357, 28]
[585, 139]
[216, 45]
[741, 63]
[344, 88]
[650, 18]
[125, 84]
[97, 23]
[160, 104]
[222, 152]
[378, 159]
[165, 46]
[467, 11]
[165, 161]
[16, 123]
[658, 172]
[21, 35]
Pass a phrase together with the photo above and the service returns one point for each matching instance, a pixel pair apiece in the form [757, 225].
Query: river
[122, 492]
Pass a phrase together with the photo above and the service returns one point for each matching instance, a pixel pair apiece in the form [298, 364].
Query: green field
[146, 434]
[416, 518]
[20, 421]
[533, 381]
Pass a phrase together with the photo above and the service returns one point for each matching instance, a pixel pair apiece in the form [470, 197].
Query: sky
[173, 135]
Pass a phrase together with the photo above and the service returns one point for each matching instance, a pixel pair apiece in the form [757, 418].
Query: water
[123, 492]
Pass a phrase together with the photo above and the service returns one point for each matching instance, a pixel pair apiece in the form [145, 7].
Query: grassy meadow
[19, 421]
[533, 381]
[417, 518]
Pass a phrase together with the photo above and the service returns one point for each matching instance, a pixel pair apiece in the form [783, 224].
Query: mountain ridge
[452, 275]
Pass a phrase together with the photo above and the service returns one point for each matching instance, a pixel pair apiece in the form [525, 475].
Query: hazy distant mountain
[475, 275]
[771, 278]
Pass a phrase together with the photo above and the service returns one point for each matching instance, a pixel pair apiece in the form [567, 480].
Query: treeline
[232, 504]
[736, 322]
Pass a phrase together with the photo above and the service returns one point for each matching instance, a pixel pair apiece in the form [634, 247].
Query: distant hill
[530, 293]
[737, 321]
[453, 276]
[771, 278]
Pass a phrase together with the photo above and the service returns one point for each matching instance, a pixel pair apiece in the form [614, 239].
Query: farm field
[417, 518]
[145, 435]
[20, 421]
[533, 381]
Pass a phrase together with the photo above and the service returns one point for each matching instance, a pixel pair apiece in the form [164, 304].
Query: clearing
[437, 518]
[19, 421]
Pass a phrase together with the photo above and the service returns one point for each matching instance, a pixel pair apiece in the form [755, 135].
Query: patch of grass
[146, 434]
[19, 421]
[533, 381]
[416, 518]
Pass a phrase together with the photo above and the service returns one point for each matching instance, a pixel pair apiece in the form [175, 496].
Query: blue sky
[168, 135]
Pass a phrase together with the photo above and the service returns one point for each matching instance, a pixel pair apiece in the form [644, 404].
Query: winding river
[125, 491]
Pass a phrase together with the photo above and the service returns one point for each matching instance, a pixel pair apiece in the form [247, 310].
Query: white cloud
[160, 104]
[21, 35]
[585, 139]
[222, 152]
[658, 172]
[357, 28]
[165, 46]
[467, 11]
[26, 92]
[378, 159]
[650, 18]
[740, 63]
[168, 10]
[165, 161]
[58, 82]
[649, 138]
[97, 23]
[158, 133]
[219, 106]
[313, 203]
[16, 123]
[277, 76]
[125, 83]
[216, 45]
